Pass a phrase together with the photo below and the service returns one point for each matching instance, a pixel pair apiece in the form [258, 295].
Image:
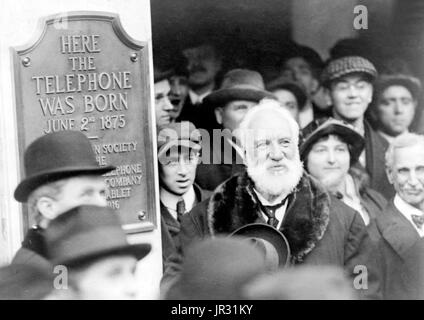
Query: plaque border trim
[17, 51]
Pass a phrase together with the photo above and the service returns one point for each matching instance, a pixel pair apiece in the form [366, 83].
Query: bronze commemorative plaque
[85, 73]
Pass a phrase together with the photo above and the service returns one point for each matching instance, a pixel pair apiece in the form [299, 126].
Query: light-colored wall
[18, 26]
[320, 23]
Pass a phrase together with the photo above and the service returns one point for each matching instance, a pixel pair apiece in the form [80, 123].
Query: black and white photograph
[234, 151]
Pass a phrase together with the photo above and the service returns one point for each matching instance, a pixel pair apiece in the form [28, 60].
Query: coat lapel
[397, 230]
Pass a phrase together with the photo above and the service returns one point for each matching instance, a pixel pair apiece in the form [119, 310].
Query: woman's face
[329, 161]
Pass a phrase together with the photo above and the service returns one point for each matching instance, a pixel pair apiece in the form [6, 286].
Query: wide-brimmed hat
[341, 67]
[239, 84]
[411, 83]
[217, 269]
[268, 239]
[326, 126]
[176, 134]
[55, 156]
[296, 88]
[88, 232]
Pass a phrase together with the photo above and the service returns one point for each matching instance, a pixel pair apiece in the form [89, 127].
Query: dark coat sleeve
[361, 261]
[194, 225]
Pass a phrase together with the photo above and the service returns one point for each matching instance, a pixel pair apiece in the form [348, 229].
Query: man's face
[178, 171]
[272, 156]
[407, 174]
[110, 278]
[163, 106]
[233, 113]
[202, 65]
[288, 101]
[298, 69]
[395, 110]
[351, 96]
[177, 94]
[77, 191]
[329, 161]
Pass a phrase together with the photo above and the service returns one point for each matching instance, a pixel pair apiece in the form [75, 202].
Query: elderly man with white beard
[320, 229]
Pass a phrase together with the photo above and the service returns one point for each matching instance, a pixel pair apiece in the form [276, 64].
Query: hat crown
[216, 268]
[242, 78]
[83, 231]
[347, 65]
[59, 150]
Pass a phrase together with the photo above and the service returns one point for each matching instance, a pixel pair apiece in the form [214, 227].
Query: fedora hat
[239, 84]
[326, 126]
[88, 232]
[217, 269]
[56, 156]
[269, 240]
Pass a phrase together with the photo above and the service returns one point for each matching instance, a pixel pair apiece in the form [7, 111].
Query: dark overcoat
[320, 229]
[170, 227]
[402, 255]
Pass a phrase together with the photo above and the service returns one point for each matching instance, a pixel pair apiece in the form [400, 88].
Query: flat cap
[347, 65]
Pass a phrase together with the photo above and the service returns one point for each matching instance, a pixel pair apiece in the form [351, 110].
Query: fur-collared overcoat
[320, 229]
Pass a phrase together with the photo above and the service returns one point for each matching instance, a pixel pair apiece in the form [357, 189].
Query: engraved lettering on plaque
[84, 78]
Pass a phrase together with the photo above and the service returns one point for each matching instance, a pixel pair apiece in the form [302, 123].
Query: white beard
[273, 185]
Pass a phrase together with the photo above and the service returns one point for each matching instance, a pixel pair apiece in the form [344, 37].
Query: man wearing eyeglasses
[349, 81]
[178, 156]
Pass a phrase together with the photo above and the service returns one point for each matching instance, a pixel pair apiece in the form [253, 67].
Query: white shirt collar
[352, 199]
[407, 210]
[306, 116]
[169, 200]
[387, 137]
[280, 213]
[196, 98]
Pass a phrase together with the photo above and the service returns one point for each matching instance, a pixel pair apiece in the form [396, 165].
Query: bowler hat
[409, 82]
[239, 84]
[88, 232]
[296, 88]
[326, 126]
[56, 156]
[217, 269]
[341, 67]
[268, 239]
[182, 134]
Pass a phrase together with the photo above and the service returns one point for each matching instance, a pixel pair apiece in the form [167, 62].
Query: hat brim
[138, 251]
[183, 143]
[220, 97]
[270, 234]
[353, 138]
[412, 85]
[29, 184]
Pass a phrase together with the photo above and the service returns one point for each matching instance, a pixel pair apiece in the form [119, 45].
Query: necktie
[180, 209]
[418, 220]
[270, 213]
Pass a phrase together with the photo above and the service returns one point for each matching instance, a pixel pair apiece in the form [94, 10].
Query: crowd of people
[309, 185]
